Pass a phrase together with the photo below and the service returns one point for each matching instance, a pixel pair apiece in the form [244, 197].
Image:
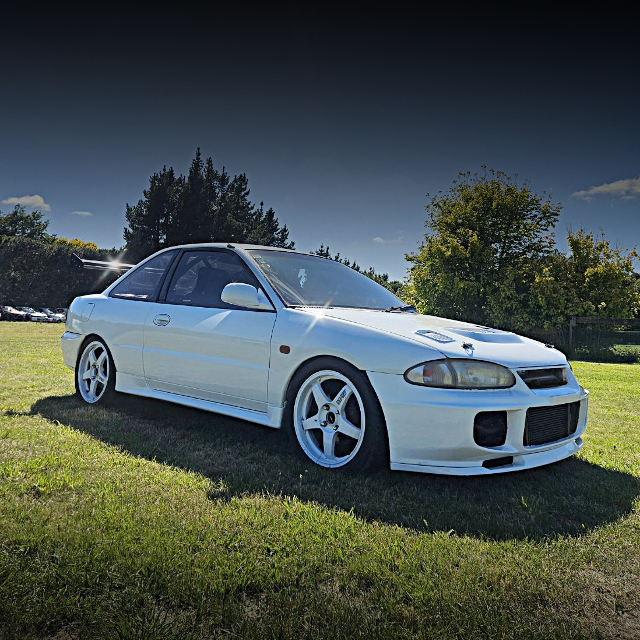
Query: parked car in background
[353, 374]
[62, 311]
[52, 315]
[33, 315]
[11, 313]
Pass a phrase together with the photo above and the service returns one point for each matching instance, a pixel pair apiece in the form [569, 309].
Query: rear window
[143, 282]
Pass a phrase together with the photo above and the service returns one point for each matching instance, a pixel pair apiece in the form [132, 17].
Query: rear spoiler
[101, 265]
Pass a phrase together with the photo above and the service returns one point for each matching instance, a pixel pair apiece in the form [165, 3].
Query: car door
[120, 319]
[198, 346]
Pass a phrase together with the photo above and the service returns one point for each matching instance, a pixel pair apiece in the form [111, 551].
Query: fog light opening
[490, 428]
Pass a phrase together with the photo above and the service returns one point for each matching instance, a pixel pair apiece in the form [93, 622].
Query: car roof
[232, 245]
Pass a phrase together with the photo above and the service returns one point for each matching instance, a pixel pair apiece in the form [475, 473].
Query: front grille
[548, 424]
[544, 378]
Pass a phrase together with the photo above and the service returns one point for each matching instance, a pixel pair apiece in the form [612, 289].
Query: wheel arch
[290, 387]
[290, 391]
[94, 336]
[108, 386]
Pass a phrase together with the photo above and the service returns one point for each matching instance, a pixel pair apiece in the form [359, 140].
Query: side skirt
[272, 418]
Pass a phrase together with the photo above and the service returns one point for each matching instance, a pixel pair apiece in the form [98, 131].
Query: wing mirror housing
[244, 295]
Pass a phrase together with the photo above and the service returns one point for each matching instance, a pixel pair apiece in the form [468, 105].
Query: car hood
[453, 338]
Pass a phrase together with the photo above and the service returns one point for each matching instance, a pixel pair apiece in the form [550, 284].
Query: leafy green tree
[487, 237]
[594, 279]
[24, 225]
[78, 245]
[207, 205]
[40, 273]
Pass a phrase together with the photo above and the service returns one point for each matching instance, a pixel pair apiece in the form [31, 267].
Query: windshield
[313, 281]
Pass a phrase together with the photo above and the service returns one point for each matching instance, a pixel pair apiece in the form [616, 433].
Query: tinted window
[142, 282]
[201, 276]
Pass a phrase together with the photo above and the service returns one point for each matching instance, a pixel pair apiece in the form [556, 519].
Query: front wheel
[336, 417]
[95, 373]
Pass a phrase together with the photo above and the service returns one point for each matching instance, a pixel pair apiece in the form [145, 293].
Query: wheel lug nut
[326, 407]
[323, 423]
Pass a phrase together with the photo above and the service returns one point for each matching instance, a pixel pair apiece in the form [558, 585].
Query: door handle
[162, 320]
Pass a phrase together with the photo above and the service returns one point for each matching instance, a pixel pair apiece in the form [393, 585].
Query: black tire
[340, 425]
[95, 373]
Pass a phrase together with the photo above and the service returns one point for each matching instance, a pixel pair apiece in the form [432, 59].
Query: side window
[142, 282]
[201, 276]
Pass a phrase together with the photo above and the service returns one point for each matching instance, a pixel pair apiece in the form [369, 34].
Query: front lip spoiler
[521, 462]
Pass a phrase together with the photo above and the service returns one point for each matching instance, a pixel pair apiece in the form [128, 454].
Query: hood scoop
[478, 333]
[434, 335]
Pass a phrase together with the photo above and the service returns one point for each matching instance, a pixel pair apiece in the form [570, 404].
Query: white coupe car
[356, 377]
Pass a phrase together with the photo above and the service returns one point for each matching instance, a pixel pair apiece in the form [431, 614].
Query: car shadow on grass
[570, 497]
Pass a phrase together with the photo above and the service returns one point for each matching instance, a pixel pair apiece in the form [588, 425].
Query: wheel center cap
[331, 417]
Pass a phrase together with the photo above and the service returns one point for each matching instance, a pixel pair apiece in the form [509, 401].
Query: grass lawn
[152, 521]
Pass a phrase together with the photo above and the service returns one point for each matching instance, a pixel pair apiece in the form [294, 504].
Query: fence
[607, 339]
[596, 339]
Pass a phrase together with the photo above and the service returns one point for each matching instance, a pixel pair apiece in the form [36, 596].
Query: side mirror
[244, 295]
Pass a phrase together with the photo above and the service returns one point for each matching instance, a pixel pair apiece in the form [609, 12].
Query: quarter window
[142, 283]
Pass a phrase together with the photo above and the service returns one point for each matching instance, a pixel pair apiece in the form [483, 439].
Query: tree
[79, 246]
[150, 221]
[594, 279]
[41, 273]
[207, 205]
[487, 237]
[24, 225]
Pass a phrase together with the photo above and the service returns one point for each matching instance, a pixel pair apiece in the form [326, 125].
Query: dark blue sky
[342, 124]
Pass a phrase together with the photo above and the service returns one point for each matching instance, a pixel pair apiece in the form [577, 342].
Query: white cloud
[399, 238]
[34, 202]
[624, 189]
[83, 214]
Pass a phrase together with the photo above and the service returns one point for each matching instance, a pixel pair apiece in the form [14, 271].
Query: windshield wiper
[401, 307]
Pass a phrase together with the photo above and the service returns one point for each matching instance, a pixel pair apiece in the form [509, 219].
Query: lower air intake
[497, 462]
[548, 424]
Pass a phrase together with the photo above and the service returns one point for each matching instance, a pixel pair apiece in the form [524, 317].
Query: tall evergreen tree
[188, 223]
[205, 206]
[150, 220]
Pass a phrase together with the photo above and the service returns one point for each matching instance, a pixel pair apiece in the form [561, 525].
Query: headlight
[461, 374]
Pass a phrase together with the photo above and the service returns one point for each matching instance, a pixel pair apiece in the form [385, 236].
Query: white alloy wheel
[329, 418]
[94, 372]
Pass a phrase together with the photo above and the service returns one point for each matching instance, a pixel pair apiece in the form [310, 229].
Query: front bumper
[432, 430]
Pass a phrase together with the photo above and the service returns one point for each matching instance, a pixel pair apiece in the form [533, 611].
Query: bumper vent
[544, 378]
[548, 424]
[497, 462]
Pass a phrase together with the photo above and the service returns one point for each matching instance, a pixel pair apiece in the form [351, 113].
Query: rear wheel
[95, 373]
[336, 418]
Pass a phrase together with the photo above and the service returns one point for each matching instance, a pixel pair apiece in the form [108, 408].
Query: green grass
[153, 521]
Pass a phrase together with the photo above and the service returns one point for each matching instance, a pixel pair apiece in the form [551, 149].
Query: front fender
[299, 336]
